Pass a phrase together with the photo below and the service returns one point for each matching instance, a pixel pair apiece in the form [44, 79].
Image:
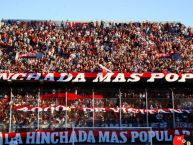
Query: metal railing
[15, 119]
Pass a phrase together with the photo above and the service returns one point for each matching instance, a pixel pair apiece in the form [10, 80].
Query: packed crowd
[48, 46]
[60, 119]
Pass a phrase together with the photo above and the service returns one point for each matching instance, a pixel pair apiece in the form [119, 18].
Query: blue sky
[119, 10]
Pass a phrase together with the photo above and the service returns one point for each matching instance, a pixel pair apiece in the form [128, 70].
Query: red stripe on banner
[70, 96]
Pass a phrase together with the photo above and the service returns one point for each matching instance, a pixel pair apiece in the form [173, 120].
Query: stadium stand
[92, 47]
[47, 46]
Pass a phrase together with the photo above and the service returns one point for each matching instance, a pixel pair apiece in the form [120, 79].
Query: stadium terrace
[49, 46]
[96, 77]
[95, 82]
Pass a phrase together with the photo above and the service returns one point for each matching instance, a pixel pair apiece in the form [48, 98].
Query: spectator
[46, 46]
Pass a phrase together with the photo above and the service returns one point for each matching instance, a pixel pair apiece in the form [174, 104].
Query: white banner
[116, 110]
[93, 136]
[97, 77]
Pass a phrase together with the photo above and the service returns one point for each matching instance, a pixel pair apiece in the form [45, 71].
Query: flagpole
[66, 109]
[173, 107]
[120, 106]
[146, 102]
[38, 108]
[93, 107]
[10, 111]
